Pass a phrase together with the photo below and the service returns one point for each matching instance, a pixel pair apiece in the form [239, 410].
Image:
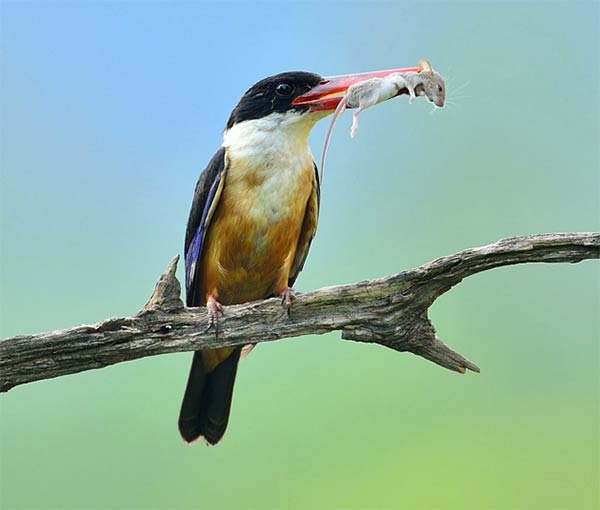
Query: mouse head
[433, 86]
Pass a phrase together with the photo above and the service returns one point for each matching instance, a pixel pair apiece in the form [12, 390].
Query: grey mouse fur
[431, 85]
[362, 95]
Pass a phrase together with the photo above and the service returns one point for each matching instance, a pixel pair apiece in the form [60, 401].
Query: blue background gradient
[110, 110]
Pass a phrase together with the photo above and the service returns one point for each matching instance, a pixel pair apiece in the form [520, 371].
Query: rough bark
[391, 311]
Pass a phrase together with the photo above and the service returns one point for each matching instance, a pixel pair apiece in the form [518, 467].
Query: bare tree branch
[390, 311]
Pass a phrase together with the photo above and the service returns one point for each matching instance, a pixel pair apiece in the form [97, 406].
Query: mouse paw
[354, 128]
[411, 93]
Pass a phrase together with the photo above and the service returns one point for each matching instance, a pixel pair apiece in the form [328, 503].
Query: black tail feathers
[207, 399]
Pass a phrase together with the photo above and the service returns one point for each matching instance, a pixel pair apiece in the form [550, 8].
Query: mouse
[368, 93]
[431, 84]
[365, 94]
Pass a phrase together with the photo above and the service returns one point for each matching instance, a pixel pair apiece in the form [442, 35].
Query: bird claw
[288, 296]
[214, 311]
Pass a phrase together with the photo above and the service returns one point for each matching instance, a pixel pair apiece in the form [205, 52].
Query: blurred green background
[110, 110]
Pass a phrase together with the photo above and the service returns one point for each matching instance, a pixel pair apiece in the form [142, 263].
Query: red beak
[330, 91]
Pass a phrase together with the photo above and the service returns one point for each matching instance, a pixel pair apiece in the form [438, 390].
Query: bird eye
[439, 88]
[284, 89]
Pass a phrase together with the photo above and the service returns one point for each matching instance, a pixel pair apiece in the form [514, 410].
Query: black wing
[206, 196]
[309, 229]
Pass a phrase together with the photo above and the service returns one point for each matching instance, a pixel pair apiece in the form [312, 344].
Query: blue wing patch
[192, 257]
[206, 198]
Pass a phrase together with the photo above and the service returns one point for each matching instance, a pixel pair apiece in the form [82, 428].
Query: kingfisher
[253, 217]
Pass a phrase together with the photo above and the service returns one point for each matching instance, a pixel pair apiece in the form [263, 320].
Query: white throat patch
[277, 141]
[272, 153]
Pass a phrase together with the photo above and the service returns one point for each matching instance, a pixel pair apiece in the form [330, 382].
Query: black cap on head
[273, 94]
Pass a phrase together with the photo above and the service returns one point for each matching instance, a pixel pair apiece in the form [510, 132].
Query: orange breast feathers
[252, 238]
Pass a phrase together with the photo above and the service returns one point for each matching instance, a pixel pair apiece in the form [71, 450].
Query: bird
[253, 217]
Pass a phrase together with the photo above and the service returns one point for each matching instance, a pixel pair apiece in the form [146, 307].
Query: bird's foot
[288, 296]
[214, 311]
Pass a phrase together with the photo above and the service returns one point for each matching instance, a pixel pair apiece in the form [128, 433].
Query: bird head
[296, 98]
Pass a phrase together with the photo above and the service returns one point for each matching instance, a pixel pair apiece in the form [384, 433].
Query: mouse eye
[439, 88]
[284, 89]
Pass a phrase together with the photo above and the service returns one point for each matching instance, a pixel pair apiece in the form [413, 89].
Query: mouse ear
[425, 67]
